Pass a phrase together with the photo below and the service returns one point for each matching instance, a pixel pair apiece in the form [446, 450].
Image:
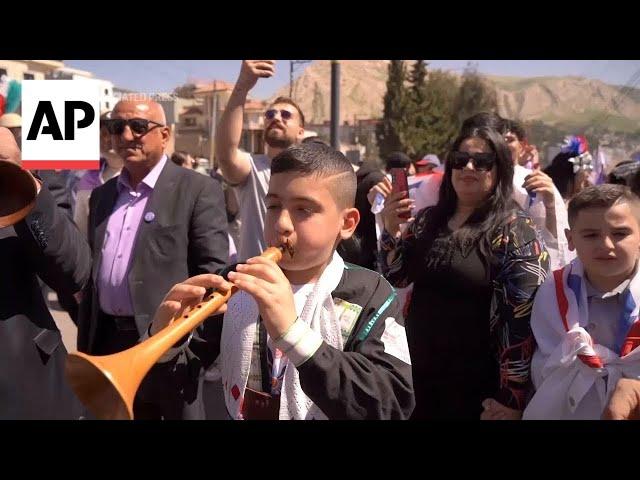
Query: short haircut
[314, 139]
[397, 160]
[293, 104]
[320, 160]
[601, 196]
[516, 128]
[180, 157]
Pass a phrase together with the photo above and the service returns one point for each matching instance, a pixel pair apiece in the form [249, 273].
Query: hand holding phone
[400, 183]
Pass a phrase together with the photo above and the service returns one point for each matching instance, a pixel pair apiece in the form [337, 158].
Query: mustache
[275, 124]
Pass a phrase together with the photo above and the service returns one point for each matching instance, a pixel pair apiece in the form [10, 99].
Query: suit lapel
[161, 197]
[106, 203]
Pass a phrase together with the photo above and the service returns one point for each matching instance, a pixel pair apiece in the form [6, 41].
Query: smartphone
[400, 183]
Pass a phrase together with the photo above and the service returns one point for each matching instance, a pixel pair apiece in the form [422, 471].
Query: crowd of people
[489, 289]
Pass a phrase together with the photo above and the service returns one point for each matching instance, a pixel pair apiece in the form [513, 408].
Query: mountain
[570, 102]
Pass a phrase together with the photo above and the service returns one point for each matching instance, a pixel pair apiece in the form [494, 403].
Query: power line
[617, 100]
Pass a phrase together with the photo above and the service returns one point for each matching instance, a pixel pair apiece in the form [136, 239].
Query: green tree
[432, 123]
[391, 132]
[475, 95]
[441, 123]
[415, 116]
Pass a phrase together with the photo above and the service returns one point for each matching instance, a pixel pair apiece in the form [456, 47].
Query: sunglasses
[284, 114]
[138, 126]
[480, 161]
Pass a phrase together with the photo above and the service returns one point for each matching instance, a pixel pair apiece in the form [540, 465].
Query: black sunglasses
[284, 114]
[139, 126]
[480, 161]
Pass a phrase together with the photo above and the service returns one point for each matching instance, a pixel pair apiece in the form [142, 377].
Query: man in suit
[151, 227]
[45, 243]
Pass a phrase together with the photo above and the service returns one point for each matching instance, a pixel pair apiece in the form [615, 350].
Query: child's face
[303, 211]
[607, 240]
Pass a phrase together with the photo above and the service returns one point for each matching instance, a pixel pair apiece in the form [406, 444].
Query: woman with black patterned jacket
[476, 262]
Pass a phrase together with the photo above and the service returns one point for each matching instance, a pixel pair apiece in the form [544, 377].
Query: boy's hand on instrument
[263, 279]
[184, 295]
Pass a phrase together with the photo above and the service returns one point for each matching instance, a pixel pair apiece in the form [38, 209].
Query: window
[190, 122]
[3, 71]
[106, 104]
[106, 92]
[28, 76]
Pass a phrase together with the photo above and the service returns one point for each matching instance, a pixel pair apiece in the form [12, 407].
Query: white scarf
[238, 333]
[579, 376]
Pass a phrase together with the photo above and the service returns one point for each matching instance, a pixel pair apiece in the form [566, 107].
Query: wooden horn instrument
[17, 193]
[107, 384]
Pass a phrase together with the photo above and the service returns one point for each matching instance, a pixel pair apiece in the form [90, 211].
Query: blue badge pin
[149, 216]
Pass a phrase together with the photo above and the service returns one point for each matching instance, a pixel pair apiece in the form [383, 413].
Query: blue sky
[164, 75]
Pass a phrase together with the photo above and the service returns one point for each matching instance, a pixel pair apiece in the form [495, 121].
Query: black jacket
[187, 237]
[367, 177]
[46, 243]
[361, 382]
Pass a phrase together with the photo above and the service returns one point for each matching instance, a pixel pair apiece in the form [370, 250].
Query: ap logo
[60, 124]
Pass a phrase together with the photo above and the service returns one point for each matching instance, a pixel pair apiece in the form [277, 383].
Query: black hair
[492, 213]
[397, 160]
[515, 127]
[321, 161]
[180, 157]
[484, 119]
[600, 196]
[561, 172]
[624, 172]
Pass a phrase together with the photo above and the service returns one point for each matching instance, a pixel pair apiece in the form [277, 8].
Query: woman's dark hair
[485, 119]
[634, 183]
[623, 173]
[488, 216]
[561, 172]
[398, 160]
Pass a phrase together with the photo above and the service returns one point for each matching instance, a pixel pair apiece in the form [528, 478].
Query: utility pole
[292, 64]
[335, 104]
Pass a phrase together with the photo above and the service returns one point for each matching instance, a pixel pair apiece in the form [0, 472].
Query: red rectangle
[61, 164]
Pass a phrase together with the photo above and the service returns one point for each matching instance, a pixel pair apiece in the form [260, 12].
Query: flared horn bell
[17, 193]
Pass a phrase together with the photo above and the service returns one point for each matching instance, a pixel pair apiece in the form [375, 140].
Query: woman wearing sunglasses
[476, 263]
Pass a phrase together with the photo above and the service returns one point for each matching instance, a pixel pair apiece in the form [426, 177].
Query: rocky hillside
[566, 101]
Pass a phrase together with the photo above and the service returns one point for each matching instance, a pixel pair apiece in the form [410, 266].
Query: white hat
[430, 159]
[10, 120]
